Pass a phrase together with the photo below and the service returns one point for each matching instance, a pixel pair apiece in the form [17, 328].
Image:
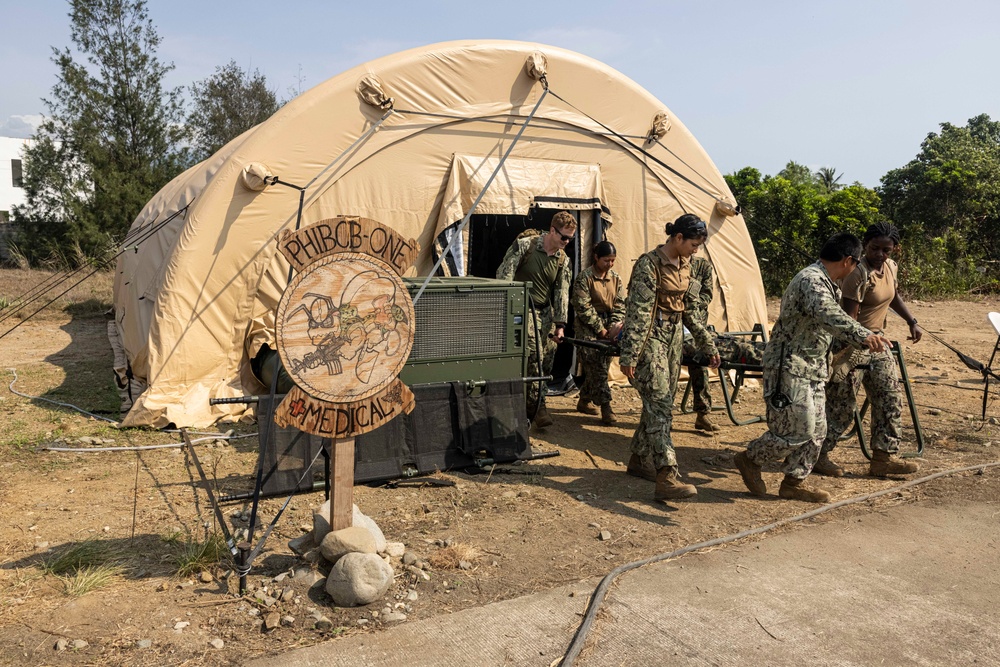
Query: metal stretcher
[756, 371]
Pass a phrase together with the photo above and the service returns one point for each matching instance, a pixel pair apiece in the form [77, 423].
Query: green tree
[226, 105]
[946, 202]
[111, 138]
[797, 174]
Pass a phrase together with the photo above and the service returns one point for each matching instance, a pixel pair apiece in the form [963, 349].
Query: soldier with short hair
[652, 340]
[796, 369]
[542, 260]
[868, 294]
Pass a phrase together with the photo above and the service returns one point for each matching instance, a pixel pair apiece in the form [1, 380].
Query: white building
[11, 175]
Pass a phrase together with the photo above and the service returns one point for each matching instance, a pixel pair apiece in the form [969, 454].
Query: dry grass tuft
[448, 558]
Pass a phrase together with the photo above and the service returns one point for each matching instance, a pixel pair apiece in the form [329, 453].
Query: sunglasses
[562, 236]
[857, 260]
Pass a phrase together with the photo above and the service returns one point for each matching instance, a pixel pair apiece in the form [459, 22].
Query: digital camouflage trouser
[594, 364]
[795, 432]
[881, 385]
[548, 348]
[656, 373]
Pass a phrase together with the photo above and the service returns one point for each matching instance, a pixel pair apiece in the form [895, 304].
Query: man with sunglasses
[542, 260]
[796, 368]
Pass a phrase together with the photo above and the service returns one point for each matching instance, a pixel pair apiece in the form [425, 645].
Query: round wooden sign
[345, 327]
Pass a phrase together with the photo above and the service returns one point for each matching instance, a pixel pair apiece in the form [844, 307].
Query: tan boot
[795, 489]
[668, 487]
[542, 418]
[824, 466]
[884, 463]
[608, 415]
[637, 468]
[703, 423]
[586, 407]
[750, 472]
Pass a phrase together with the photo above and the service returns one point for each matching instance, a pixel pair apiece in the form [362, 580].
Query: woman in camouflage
[868, 294]
[651, 348]
[598, 299]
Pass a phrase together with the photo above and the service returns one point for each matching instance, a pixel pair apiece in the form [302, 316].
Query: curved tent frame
[195, 303]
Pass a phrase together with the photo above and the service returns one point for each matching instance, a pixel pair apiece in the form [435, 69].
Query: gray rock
[217, 643]
[310, 576]
[323, 624]
[301, 544]
[410, 558]
[144, 643]
[78, 644]
[994, 421]
[268, 601]
[61, 644]
[287, 620]
[358, 579]
[287, 594]
[412, 595]
[604, 536]
[464, 565]
[312, 556]
[321, 525]
[206, 577]
[280, 577]
[395, 549]
[365, 521]
[345, 541]
[394, 617]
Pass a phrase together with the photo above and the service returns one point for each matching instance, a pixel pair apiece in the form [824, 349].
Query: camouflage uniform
[551, 298]
[701, 270]
[797, 356]
[653, 345]
[881, 380]
[589, 323]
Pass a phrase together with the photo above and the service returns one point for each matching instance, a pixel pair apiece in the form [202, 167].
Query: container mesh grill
[453, 324]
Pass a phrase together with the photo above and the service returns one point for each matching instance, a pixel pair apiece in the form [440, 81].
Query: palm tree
[828, 179]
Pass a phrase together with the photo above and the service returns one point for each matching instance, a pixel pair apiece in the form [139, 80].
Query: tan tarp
[196, 298]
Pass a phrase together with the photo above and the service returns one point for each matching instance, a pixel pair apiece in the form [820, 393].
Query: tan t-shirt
[874, 293]
[673, 282]
[603, 292]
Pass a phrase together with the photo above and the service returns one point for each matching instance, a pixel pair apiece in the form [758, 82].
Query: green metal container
[467, 329]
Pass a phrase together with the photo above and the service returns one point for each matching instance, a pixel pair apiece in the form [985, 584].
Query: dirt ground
[529, 527]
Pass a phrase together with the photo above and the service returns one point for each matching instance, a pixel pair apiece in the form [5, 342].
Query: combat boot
[703, 423]
[824, 466]
[750, 472]
[542, 418]
[885, 463]
[793, 488]
[637, 468]
[668, 487]
[608, 415]
[586, 407]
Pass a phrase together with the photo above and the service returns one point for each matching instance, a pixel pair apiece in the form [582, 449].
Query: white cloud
[20, 126]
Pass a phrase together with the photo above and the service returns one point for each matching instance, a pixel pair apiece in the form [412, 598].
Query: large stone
[348, 540]
[321, 525]
[358, 579]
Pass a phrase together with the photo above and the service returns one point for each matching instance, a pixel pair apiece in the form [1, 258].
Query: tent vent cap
[661, 125]
[256, 176]
[727, 208]
[536, 66]
[372, 92]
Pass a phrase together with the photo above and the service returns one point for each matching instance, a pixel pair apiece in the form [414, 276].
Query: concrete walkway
[914, 585]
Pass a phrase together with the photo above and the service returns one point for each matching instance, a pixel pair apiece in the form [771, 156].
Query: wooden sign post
[344, 330]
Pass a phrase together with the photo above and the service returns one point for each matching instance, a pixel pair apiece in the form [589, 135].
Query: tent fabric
[195, 301]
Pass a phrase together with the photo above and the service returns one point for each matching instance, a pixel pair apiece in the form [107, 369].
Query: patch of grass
[448, 558]
[85, 566]
[87, 554]
[198, 556]
[173, 537]
[88, 579]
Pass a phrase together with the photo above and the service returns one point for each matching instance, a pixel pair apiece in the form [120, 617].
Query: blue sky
[853, 85]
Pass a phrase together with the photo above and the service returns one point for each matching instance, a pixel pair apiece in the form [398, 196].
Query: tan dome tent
[409, 140]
